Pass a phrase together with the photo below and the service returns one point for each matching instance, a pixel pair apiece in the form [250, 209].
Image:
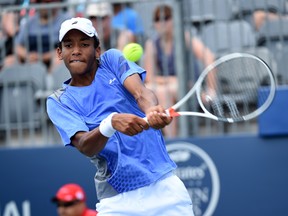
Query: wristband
[106, 128]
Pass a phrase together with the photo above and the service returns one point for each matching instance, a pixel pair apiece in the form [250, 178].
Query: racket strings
[217, 108]
[225, 107]
[232, 108]
[235, 84]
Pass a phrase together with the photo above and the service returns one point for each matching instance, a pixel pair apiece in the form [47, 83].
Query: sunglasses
[97, 17]
[165, 18]
[67, 204]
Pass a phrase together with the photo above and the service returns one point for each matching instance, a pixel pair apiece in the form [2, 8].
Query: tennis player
[100, 111]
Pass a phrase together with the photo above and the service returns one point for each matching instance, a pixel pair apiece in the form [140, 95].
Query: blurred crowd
[29, 33]
[29, 28]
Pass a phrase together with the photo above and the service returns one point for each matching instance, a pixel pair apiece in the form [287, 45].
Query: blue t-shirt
[127, 162]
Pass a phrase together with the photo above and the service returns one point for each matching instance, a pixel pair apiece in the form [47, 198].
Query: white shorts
[167, 197]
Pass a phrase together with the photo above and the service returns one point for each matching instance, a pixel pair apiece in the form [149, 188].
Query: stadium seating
[224, 37]
[59, 75]
[209, 10]
[18, 86]
[274, 36]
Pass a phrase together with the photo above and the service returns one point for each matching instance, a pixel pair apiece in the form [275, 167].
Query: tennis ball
[133, 52]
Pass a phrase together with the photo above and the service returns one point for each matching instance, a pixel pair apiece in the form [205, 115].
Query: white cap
[101, 9]
[79, 23]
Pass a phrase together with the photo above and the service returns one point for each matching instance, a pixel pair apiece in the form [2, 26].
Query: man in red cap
[71, 201]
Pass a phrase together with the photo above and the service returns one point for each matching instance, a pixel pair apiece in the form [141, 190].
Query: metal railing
[200, 18]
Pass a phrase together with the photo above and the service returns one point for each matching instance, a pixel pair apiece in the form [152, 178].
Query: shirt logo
[112, 80]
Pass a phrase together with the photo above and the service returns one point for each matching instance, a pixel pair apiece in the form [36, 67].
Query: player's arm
[147, 101]
[89, 143]
[72, 129]
[92, 142]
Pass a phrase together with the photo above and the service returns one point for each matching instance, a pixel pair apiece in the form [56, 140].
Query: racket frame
[196, 88]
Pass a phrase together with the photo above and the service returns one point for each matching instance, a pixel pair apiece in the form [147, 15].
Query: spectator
[71, 201]
[101, 14]
[77, 7]
[260, 16]
[8, 30]
[9, 26]
[26, 11]
[42, 28]
[125, 18]
[159, 60]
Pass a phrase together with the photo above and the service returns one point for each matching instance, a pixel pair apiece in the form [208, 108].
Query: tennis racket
[227, 90]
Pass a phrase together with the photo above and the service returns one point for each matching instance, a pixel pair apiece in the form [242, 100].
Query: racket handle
[169, 112]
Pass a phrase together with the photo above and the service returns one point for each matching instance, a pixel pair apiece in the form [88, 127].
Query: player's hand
[157, 117]
[129, 124]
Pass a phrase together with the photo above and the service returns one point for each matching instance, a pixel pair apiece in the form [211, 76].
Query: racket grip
[145, 118]
[169, 112]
